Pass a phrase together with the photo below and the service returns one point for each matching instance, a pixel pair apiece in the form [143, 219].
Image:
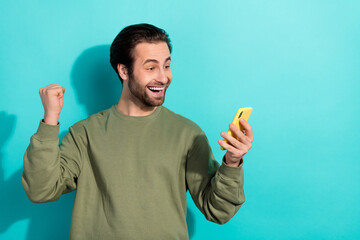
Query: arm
[50, 170]
[216, 190]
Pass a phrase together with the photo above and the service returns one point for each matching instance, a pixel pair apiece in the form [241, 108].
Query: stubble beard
[142, 96]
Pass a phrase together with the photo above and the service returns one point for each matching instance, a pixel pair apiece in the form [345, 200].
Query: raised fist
[52, 100]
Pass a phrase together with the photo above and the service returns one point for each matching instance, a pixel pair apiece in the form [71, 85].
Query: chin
[154, 103]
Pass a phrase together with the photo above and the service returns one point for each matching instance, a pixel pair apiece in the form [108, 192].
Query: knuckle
[244, 152]
[239, 153]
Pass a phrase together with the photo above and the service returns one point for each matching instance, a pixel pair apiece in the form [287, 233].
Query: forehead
[159, 51]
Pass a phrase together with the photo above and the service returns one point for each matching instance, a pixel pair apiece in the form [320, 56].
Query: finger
[231, 140]
[233, 152]
[240, 135]
[60, 93]
[245, 141]
[55, 89]
[226, 146]
[54, 84]
[247, 129]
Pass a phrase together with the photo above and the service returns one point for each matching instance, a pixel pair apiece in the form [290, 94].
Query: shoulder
[181, 121]
[187, 131]
[94, 120]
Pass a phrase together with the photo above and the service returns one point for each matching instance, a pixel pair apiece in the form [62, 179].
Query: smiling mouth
[156, 89]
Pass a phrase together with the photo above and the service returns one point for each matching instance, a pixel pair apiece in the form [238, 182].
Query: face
[151, 73]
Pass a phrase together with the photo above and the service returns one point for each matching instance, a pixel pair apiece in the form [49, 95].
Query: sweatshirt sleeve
[49, 169]
[216, 190]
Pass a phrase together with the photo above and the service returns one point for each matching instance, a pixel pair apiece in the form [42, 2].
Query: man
[132, 164]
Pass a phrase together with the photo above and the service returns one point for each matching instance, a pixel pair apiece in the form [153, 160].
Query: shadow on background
[45, 220]
[97, 88]
[95, 82]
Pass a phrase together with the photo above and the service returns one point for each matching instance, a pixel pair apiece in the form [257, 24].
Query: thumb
[60, 92]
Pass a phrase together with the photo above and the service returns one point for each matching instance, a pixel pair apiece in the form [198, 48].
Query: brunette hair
[124, 43]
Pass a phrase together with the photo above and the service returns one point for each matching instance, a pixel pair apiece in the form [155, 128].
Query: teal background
[297, 63]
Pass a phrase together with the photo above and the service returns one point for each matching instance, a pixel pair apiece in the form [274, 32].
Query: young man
[132, 164]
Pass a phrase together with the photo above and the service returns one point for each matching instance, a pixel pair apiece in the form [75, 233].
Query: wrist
[51, 120]
[232, 164]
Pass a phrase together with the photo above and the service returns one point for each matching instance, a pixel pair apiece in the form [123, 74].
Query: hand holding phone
[241, 113]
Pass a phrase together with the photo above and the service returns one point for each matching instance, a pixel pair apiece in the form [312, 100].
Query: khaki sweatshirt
[131, 175]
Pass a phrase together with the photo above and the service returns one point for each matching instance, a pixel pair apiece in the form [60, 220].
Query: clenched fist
[52, 100]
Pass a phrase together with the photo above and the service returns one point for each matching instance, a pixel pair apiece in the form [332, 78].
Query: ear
[122, 70]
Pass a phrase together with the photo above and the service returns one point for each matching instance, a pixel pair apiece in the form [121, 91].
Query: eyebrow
[155, 61]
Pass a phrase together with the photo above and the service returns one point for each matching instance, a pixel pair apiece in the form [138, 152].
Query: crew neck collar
[136, 118]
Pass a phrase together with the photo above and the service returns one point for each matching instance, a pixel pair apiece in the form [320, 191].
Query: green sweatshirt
[131, 175]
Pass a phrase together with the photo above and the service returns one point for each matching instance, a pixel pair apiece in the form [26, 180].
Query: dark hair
[122, 47]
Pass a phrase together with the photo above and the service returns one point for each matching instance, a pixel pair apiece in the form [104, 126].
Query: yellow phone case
[241, 113]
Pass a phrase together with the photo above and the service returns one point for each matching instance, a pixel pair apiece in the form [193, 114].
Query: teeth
[156, 88]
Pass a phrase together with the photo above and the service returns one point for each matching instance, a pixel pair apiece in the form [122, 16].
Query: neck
[131, 106]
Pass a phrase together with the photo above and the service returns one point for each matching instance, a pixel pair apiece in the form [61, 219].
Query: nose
[164, 76]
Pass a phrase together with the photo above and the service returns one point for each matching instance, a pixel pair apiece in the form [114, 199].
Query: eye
[150, 69]
[167, 67]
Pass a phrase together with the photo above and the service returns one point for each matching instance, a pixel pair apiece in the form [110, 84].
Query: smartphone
[241, 113]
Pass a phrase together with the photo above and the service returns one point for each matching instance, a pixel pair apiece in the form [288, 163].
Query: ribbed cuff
[230, 172]
[47, 132]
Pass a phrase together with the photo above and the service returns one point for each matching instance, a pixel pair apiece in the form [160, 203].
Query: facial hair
[140, 93]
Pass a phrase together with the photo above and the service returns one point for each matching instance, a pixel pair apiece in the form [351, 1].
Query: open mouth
[157, 91]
